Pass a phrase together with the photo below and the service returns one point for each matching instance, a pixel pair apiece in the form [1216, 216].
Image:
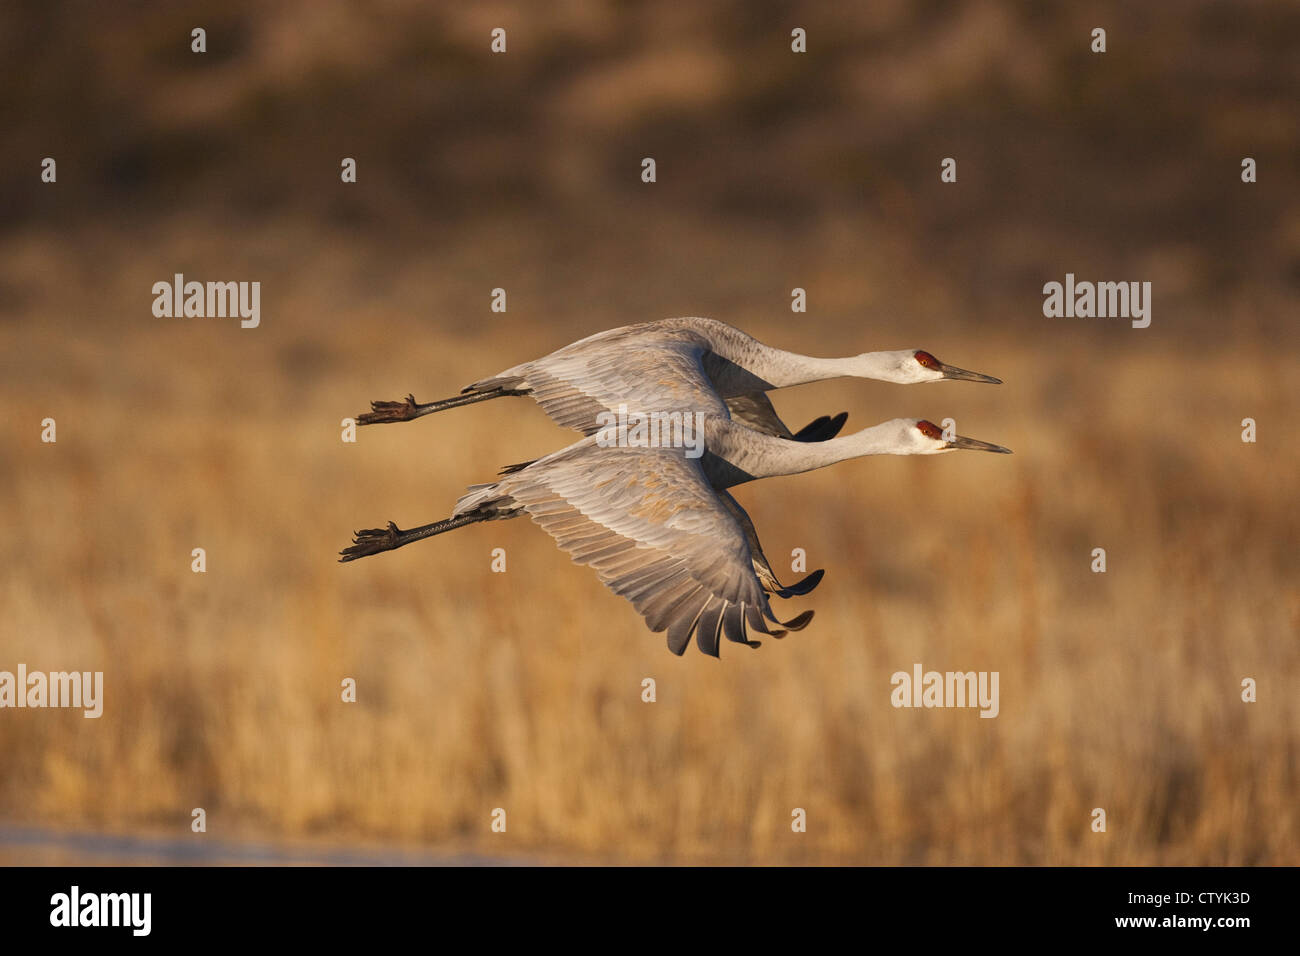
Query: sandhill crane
[658, 526]
[576, 383]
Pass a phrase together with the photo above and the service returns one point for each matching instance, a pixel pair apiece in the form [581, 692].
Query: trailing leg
[409, 409]
[376, 540]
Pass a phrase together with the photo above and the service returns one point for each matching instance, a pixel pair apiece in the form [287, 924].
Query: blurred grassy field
[522, 690]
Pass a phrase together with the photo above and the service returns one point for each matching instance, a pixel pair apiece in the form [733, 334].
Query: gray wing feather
[755, 410]
[644, 371]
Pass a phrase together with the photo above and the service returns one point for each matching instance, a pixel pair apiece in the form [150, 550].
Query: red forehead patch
[930, 430]
[927, 360]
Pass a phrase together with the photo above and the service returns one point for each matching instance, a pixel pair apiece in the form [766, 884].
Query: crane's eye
[926, 360]
[930, 430]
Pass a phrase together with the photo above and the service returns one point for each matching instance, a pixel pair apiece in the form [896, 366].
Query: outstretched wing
[647, 522]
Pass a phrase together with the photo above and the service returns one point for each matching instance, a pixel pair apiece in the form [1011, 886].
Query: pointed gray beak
[975, 445]
[961, 375]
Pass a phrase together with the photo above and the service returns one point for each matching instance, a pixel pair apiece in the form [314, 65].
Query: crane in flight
[659, 527]
[621, 366]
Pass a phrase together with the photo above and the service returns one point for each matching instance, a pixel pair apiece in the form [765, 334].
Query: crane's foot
[381, 412]
[373, 541]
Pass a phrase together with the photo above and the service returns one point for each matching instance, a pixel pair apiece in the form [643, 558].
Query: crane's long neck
[744, 364]
[783, 368]
[745, 455]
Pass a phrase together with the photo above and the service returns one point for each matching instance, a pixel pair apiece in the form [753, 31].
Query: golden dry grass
[522, 690]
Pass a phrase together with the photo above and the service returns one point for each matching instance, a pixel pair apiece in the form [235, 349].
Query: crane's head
[909, 366]
[920, 437]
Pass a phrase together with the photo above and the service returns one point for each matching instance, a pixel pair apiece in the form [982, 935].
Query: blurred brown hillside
[1123, 165]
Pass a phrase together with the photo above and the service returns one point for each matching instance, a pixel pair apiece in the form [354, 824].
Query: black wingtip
[797, 624]
[800, 622]
[811, 428]
[822, 429]
[807, 584]
[799, 588]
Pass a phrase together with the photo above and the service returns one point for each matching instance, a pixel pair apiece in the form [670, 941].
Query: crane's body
[627, 366]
